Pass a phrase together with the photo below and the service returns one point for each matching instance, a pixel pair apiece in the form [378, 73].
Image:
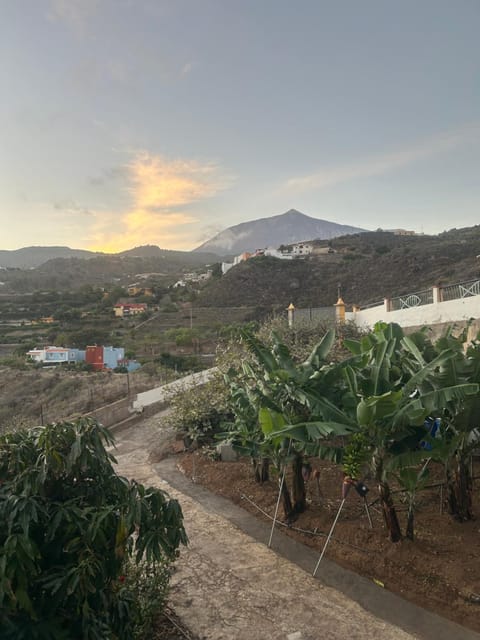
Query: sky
[133, 122]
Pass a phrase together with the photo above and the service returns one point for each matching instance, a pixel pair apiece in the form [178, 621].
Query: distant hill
[286, 228]
[66, 273]
[367, 266]
[31, 257]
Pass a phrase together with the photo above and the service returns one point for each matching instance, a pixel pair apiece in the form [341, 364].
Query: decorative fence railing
[411, 300]
[434, 296]
[315, 314]
[460, 290]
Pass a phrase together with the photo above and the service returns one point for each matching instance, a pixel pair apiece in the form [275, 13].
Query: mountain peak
[293, 212]
[285, 228]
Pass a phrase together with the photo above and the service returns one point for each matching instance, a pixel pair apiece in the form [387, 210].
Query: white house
[302, 249]
[56, 355]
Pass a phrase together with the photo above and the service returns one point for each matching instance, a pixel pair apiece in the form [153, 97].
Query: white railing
[451, 303]
[411, 300]
[460, 290]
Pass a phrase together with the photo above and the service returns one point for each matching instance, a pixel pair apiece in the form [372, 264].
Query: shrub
[147, 585]
[67, 525]
[201, 412]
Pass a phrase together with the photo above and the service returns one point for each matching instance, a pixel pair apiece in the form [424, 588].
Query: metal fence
[461, 290]
[412, 300]
[315, 314]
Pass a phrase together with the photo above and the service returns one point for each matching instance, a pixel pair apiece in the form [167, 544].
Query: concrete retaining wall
[162, 394]
[452, 311]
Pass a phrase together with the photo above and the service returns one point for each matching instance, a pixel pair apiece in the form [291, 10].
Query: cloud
[186, 69]
[75, 14]
[109, 175]
[71, 208]
[375, 165]
[158, 183]
[160, 191]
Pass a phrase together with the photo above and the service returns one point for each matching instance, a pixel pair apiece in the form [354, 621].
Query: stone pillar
[291, 313]
[437, 294]
[387, 304]
[340, 311]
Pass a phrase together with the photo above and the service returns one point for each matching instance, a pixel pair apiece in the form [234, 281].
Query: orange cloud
[138, 228]
[158, 188]
[159, 183]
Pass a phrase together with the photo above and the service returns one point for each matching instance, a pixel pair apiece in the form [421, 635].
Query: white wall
[436, 313]
[164, 393]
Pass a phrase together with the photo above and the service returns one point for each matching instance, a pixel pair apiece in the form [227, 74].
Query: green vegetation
[366, 402]
[83, 552]
[202, 415]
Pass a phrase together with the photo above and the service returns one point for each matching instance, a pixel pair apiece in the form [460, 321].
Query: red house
[94, 356]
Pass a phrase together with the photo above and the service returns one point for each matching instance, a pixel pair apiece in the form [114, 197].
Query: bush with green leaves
[202, 411]
[69, 529]
[147, 585]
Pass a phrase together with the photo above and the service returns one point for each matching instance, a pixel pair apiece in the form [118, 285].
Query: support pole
[279, 496]
[276, 508]
[329, 536]
[368, 513]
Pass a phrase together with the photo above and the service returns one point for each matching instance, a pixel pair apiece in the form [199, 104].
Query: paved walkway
[228, 585]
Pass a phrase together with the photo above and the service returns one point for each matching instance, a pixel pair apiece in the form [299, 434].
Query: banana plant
[454, 397]
[385, 395]
[270, 391]
[412, 480]
[415, 379]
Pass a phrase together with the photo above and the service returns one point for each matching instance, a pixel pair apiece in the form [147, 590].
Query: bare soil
[438, 570]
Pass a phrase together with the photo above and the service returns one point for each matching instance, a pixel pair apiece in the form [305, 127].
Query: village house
[127, 309]
[56, 355]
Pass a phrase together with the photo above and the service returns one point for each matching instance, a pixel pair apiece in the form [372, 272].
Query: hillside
[367, 266]
[286, 228]
[72, 273]
[31, 257]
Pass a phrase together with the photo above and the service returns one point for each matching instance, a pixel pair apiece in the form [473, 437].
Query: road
[227, 585]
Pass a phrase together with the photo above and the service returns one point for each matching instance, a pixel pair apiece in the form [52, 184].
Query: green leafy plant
[200, 413]
[145, 584]
[68, 527]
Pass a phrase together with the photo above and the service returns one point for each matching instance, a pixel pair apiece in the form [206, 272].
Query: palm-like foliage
[416, 380]
[454, 397]
[68, 524]
[270, 393]
[383, 392]
[386, 390]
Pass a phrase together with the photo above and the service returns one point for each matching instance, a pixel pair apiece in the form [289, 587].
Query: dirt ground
[438, 571]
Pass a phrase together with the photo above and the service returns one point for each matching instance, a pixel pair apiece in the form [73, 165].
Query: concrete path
[229, 585]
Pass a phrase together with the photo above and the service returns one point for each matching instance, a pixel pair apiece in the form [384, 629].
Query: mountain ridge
[365, 267]
[282, 229]
[286, 228]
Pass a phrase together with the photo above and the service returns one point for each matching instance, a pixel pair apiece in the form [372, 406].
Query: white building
[56, 355]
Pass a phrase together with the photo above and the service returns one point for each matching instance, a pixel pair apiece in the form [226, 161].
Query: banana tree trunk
[389, 512]
[459, 492]
[287, 502]
[298, 486]
[410, 530]
[261, 470]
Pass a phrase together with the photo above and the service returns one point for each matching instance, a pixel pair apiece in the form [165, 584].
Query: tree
[399, 382]
[273, 398]
[386, 390]
[68, 527]
[460, 414]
